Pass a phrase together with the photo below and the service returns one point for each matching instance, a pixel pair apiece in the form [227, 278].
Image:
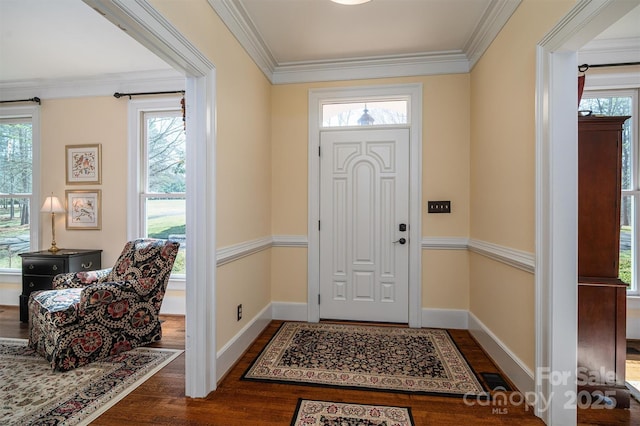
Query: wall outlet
[239, 312]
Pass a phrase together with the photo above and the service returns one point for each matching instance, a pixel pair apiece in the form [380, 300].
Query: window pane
[15, 157]
[14, 230]
[626, 240]
[166, 146]
[166, 219]
[375, 113]
[616, 106]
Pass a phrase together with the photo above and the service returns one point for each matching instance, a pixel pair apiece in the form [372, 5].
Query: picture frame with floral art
[83, 209]
[83, 164]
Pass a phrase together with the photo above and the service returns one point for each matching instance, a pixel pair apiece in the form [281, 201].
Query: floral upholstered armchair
[92, 315]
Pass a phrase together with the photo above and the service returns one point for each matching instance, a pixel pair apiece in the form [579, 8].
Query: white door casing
[364, 200]
[317, 97]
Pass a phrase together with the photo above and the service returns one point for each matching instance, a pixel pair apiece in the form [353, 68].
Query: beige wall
[91, 120]
[243, 168]
[503, 172]
[76, 121]
[445, 161]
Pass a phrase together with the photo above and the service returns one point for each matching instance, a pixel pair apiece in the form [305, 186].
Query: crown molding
[103, 85]
[454, 62]
[492, 21]
[609, 51]
[237, 20]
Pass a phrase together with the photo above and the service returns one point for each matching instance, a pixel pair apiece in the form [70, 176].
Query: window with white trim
[365, 112]
[19, 208]
[624, 103]
[160, 196]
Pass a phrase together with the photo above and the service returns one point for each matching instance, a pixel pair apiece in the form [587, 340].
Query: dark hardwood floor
[161, 399]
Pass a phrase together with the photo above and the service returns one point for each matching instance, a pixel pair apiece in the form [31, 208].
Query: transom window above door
[375, 112]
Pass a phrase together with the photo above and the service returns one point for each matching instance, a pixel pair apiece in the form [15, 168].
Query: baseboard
[233, 350]
[445, 318]
[10, 294]
[174, 303]
[509, 363]
[633, 328]
[289, 311]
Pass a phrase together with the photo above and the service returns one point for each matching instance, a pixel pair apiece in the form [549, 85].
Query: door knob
[401, 241]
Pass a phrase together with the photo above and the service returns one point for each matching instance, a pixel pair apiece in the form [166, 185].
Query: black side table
[39, 268]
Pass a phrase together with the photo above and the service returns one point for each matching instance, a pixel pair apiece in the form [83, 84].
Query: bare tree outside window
[164, 191]
[16, 159]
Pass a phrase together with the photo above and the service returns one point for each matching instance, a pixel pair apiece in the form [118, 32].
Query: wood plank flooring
[161, 399]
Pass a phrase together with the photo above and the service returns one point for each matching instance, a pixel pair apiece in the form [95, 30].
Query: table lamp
[52, 205]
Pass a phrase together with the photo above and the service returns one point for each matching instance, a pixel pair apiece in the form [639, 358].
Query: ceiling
[48, 40]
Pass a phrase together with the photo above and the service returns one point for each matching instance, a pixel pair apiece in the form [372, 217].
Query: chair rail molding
[509, 256]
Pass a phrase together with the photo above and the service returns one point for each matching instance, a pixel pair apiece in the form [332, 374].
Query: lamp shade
[52, 205]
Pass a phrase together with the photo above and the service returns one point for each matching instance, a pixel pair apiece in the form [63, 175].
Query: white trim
[633, 321]
[556, 201]
[235, 17]
[372, 67]
[516, 258]
[173, 304]
[289, 311]
[609, 51]
[513, 367]
[238, 251]
[147, 26]
[33, 113]
[492, 21]
[10, 292]
[150, 28]
[104, 85]
[290, 241]
[316, 97]
[201, 377]
[445, 318]
[445, 243]
[135, 153]
[613, 81]
[231, 352]
[239, 23]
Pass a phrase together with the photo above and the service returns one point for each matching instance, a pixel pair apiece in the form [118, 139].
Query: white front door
[364, 225]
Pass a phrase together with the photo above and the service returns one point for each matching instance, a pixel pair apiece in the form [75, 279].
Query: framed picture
[83, 164]
[83, 209]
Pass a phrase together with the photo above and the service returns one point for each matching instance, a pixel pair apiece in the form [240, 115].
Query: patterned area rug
[325, 413]
[31, 393]
[394, 359]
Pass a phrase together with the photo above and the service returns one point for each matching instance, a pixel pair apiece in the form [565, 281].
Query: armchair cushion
[79, 279]
[94, 315]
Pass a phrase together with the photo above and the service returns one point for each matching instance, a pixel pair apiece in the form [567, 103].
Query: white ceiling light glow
[350, 2]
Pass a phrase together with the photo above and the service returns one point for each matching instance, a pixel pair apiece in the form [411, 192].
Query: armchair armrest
[79, 279]
[115, 294]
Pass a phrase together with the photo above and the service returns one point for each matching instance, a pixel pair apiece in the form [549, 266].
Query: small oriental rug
[394, 359]
[324, 413]
[31, 393]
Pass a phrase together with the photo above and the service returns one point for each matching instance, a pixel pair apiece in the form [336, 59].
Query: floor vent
[495, 381]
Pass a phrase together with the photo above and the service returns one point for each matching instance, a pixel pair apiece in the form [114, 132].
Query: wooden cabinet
[601, 294]
[39, 268]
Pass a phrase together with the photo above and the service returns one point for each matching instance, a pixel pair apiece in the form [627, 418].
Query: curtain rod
[34, 99]
[585, 67]
[119, 95]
